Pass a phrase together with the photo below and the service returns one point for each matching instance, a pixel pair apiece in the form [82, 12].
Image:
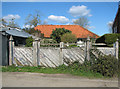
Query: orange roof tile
[79, 31]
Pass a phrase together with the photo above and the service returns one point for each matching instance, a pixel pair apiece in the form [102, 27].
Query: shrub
[77, 66]
[58, 32]
[106, 65]
[29, 42]
[108, 38]
[68, 37]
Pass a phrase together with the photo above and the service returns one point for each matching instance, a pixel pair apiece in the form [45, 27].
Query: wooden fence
[50, 56]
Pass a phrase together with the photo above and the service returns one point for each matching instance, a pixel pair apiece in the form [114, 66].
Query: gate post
[36, 45]
[117, 48]
[61, 53]
[11, 47]
[88, 45]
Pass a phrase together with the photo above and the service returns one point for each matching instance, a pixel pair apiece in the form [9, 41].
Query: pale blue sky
[60, 0]
[99, 14]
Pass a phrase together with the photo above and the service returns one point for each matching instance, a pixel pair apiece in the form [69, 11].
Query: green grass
[58, 70]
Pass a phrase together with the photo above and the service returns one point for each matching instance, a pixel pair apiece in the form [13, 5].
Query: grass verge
[58, 70]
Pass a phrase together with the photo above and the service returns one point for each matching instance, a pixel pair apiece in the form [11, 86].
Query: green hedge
[108, 38]
[106, 65]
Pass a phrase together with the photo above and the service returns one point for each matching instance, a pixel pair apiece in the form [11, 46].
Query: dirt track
[19, 79]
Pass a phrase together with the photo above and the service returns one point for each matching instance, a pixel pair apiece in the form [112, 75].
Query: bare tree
[82, 21]
[3, 21]
[13, 24]
[110, 24]
[33, 19]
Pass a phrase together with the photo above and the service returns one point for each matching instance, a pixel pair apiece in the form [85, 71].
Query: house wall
[4, 50]
[0, 49]
[116, 24]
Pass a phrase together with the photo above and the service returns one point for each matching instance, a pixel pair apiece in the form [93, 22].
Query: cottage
[80, 32]
[116, 25]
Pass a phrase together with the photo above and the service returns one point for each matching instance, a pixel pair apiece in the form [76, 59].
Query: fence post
[61, 53]
[11, 47]
[117, 48]
[36, 46]
[88, 45]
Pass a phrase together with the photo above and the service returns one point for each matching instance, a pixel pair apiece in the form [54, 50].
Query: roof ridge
[58, 25]
[89, 31]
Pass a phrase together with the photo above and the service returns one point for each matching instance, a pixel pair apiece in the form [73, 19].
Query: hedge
[108, 38]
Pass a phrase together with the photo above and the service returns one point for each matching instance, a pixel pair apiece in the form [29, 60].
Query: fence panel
[73, 54]
[23, 56]
[49, 57]
[107, 50]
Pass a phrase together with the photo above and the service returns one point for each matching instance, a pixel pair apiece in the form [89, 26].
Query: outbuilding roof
[15, 32]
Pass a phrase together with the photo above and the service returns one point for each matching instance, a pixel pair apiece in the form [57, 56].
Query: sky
[99, 14]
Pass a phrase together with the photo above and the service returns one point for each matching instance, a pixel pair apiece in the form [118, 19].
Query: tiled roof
[79, 31]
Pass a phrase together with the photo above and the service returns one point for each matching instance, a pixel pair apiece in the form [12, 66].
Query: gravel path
[24, 79]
